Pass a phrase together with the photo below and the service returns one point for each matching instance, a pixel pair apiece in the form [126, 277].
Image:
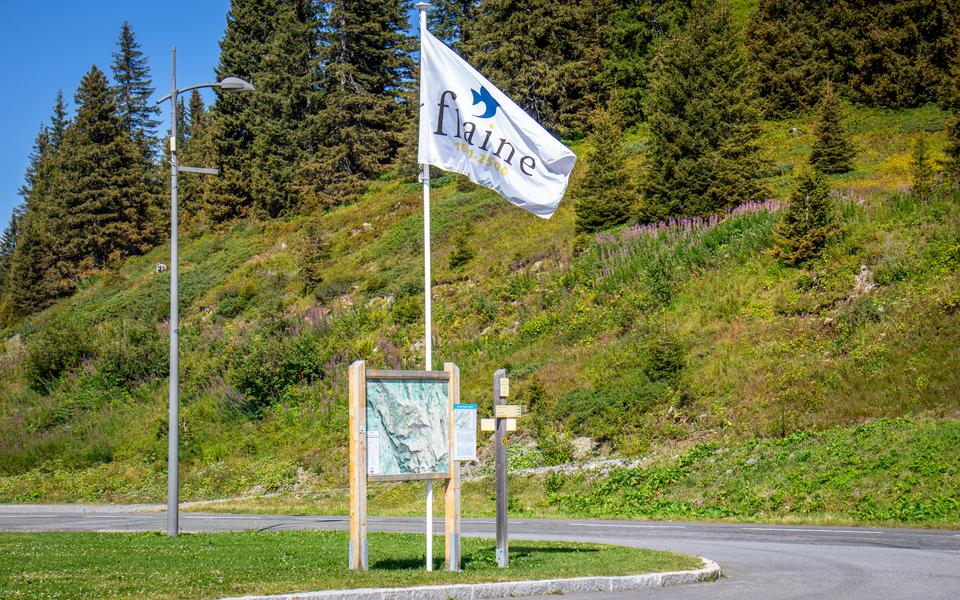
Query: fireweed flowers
[663, 253]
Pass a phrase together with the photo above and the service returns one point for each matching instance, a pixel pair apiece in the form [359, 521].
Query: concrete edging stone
[710, 571]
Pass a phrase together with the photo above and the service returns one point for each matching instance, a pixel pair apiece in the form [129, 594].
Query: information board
[408, 425]
[465, 431]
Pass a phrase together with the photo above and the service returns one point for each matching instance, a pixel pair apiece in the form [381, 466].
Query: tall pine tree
[31, 282]
[287, 98]
[58, 122]
[103, 204]
[704, 121]
[133, 86]
[260, 140]
[605, 196]
[249, 24]
[195, 151]
[832, 151]
[367, 72]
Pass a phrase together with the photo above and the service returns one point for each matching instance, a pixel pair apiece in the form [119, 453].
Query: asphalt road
[765, 562]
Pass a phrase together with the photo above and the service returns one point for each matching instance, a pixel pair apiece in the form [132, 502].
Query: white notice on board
[373, 452]
[464, 432]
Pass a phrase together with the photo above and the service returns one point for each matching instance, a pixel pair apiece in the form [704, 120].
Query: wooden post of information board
[358, 466]
[501, 474]
[452, 497]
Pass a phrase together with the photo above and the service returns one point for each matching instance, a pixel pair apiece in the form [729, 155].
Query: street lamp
[173, 438]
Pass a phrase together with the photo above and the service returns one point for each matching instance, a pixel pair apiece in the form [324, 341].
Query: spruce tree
[8, 243]
[808, 222]
[635, 30]
[951, 162]
[103, 204]
[58, 122]
[921, 168]
[605, 196]
[31, 282]
[704, 121]
[244, 42]
[882, 52]
[449, 21]
[790, 42]
[544, 55]
[133, 87]
[195, 151]
[287, 98]
[260, 140]
[832, 151]
[901, 50]
[367, 72]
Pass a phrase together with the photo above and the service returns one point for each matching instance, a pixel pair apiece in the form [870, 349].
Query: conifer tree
[8, 243]
[605, 196]
[790, 42]
[249, 24]
[901, 49]
[921, 168]
[635, 30]
[133, 87]
[103, 202]
[808, 222]
[462, 252]
[58, 122]
[30, 281]
[544, 55]
[42, 149]
[951, 162]
[287, 98]
[195, 151]
[259, 140]
[449, 21]
[882, 52]
[704, 121]
[367, 72]
[832, 151]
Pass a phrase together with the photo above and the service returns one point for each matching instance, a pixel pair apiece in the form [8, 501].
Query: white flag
[471, 127]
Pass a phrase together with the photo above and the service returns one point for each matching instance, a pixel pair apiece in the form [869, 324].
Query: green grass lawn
[212, 565]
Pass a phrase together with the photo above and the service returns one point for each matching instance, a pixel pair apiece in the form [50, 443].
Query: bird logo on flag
[484, 97]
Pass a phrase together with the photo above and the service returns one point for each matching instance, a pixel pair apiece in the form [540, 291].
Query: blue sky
[49, 45]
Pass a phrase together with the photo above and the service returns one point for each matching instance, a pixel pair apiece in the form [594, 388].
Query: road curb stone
[710, 571]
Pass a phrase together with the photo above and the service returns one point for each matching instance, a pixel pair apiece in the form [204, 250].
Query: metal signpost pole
[501, 473]
[173, 440]
[427, 338]
[173, 425]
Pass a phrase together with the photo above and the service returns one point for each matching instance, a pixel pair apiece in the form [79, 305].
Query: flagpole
[427, 302]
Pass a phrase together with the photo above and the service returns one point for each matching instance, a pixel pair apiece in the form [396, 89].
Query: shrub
[134, 353]
[57, 348]
[462, 253]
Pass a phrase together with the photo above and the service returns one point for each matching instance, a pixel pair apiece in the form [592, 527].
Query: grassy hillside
[651, 342]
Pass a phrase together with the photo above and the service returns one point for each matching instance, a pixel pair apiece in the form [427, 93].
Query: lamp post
[173, 437]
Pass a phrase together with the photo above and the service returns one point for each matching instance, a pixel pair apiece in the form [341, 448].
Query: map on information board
[408, 427]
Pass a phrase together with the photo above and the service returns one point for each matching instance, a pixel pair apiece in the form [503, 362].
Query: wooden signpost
[361, 472]
[504, 421]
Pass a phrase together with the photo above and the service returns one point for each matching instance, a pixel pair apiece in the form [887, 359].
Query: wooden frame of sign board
[359, 375]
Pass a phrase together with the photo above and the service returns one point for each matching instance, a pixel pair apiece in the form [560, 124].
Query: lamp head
[235, 83]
